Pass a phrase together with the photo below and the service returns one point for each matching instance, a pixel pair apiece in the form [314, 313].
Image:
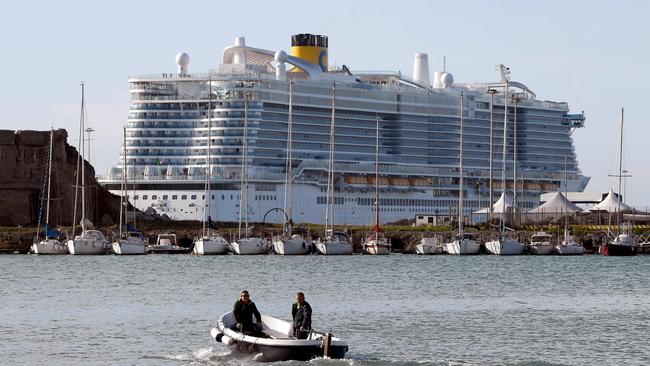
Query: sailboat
[245, 244]
[623, 243]
[504, 245]
[89, 241]
[377, 243]
[289, 243]
[463, 243]
[568, 246]
[50, 244]
[130, 242]
[209, 242]
[332, 242]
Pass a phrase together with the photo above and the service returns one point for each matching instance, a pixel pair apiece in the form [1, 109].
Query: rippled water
[397, 310]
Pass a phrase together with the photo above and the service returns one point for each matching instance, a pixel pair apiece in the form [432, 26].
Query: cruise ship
[173, 115]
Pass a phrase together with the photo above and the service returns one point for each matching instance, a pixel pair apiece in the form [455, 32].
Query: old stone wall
[23, 159]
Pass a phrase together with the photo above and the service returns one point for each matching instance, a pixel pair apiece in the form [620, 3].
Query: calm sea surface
[392, 310]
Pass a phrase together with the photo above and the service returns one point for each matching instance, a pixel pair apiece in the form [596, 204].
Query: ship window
[231, 197]
[184, 197]
[154, 197]
[193, 197]
[165, 197]
[203, 197]
[174, 197]
[135, 197]
[213, 197]
[144, 196]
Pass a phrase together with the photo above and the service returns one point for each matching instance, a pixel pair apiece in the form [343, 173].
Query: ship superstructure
[167, 138]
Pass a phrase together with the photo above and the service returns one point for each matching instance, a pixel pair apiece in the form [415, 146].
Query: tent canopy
[557, 204]
[502, 205]
[611, 203]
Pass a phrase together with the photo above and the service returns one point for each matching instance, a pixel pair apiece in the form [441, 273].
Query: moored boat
[50, 244]
[463, 244]
[540, 244]
[429, 246]
[275, 342]
[334, 243]
[296, 244]
[166, 244]
[504, 246]
[250, 246]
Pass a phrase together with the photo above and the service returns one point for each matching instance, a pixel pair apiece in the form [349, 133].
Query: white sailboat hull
[571, 248]
[504, 247]
[49, 246]
[284, 246]
[377, 247]
[129, 247]
[83, 246]
[330, 247]
[463, 247]
[427, 249]
[210, 246]
[250, 246]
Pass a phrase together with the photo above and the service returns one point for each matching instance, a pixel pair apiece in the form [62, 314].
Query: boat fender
[227, 340]
[219, 337]
[327, 341]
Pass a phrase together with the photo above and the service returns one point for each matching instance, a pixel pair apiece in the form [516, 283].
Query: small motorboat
[275, 342]
[429, 246]
[166, 244]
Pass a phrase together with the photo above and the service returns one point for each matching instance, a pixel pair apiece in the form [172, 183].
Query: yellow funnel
[310, 47]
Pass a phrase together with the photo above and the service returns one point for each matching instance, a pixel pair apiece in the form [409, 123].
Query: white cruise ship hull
[250, 246]
[570, 249]
[210, 246]
[49, 246]
[329, 247]
[463, 247]
[504, 247]
[129, 247]
[283, 246]
[82, 246]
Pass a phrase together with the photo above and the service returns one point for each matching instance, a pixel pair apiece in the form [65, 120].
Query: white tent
[502, 205]
[556, 204]
[611, 203]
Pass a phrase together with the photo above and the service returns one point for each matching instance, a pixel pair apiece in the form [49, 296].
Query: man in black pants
[244, 310]
[301, 312]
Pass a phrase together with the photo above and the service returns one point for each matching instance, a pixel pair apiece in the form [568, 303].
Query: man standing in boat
[301, 312]
[244, 310]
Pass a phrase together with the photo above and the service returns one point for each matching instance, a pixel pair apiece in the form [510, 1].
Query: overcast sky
[595, 55]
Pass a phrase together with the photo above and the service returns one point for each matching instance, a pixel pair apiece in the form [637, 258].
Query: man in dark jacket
[244, 310]
[301, 312]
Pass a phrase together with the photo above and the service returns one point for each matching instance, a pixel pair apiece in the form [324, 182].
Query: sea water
[392, 310]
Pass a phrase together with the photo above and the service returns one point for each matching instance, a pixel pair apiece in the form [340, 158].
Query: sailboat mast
[503, 163]
[243, 197]
[461, 196]
[76, 177]
[490, 203]
[49, 182]
[566, 197]
[329, 214]
[288, 178]
[83, 163]
[377, 179]
[122, 201]
[209, 162]
[620, 172]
